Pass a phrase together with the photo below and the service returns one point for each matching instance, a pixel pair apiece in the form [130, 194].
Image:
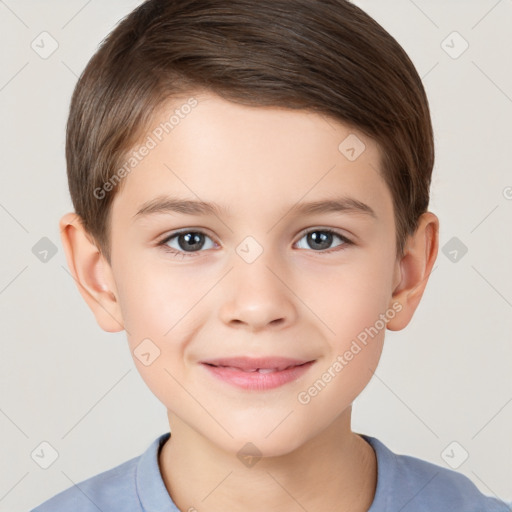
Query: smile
[257, 374]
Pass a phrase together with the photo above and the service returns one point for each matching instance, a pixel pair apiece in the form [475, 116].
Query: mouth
[258, 374]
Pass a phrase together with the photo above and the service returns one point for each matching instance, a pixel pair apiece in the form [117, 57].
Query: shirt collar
[151, 489]
[385, 474]
[154, 497]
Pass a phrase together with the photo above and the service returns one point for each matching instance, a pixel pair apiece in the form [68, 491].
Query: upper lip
[248, 363]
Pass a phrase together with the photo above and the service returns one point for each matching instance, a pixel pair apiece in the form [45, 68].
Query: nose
[257, 296]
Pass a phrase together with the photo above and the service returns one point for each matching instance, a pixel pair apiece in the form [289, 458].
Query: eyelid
[334, 231]
[203, 231]
[173, 234]
[346, 241]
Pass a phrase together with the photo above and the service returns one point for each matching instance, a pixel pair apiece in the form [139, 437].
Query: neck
[336, 470]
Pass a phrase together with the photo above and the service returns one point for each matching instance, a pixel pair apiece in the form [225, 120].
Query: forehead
[250, 158]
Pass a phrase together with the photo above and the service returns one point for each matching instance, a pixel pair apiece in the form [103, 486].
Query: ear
[413, 269]
[91, 272]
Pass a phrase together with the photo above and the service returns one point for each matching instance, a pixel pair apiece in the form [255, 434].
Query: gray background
[444, 379]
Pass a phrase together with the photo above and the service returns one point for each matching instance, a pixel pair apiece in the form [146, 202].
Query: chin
[257, 439]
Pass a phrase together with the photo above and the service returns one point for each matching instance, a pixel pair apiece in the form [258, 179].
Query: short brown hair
[326, 56]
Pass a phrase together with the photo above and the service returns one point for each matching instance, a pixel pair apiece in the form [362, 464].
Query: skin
[295, 300]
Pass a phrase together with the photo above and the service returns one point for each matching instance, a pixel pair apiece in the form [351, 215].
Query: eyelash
[185, 254]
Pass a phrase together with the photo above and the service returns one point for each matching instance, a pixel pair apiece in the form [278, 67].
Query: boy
[292, 142]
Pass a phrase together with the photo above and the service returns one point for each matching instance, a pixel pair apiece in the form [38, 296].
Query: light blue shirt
[404, 484]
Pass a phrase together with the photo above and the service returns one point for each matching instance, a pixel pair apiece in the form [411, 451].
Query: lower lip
[256, 380]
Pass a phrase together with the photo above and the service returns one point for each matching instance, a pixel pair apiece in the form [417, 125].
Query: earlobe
[92, 274]
[414, 269]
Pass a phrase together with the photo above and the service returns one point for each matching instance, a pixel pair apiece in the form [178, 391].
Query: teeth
[239, 369]
[259, 370]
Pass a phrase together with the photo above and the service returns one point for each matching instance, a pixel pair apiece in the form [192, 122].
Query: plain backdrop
[442, 391]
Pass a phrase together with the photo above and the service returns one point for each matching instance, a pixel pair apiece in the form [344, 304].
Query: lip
[244, 372]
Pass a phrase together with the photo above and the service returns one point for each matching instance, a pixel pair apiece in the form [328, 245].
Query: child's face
[306, 298]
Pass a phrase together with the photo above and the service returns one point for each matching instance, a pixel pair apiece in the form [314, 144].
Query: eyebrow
[166, 204]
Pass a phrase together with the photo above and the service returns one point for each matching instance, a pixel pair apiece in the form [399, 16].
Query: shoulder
[410, 484]
[113, 489]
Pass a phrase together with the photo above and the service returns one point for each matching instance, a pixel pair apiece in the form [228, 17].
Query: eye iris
[190, 239]
[322, 238]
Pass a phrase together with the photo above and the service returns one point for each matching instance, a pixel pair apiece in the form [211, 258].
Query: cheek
[347, 298]
[158, 306]
[157, 300]
[335, 386]
[157, 334]
[358, 306]
[357, 315]
[169, 305]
